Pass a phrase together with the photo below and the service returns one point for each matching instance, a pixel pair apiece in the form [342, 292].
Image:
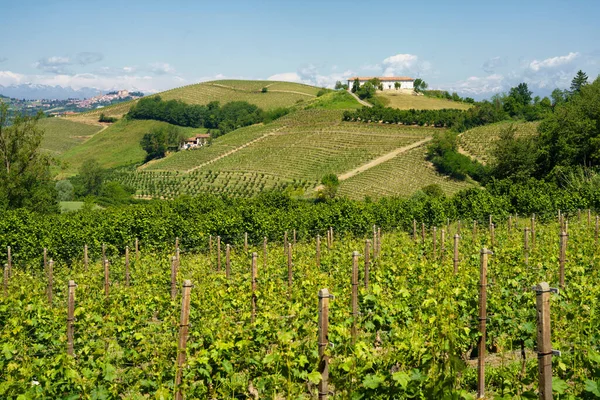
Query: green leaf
[110, 372]
[558, 385]
[592, 387]
[372, 381]
[314, 377]
[402, 378]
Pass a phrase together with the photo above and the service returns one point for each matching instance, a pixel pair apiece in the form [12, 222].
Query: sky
[476, 48]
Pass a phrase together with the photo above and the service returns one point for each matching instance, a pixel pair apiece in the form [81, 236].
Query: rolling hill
[61, 135]
[291, 153]
[279, 94]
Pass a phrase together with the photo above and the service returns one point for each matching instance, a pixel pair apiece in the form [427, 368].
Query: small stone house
[198, 140]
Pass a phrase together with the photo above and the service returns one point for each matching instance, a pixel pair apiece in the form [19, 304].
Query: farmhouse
[198, 140]
[388, 82]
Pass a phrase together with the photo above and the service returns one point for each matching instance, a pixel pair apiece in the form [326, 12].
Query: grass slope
[401, 176]
[118, 145]
[404, 101]
[279, 94]
[60, 134]
[479, 142]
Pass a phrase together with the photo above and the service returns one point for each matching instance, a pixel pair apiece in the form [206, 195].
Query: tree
[338, 85]
[92, 177]
[397, 85]
[366, 91]
[355, 85]
[419, 85]
[330, 184]
[264, 90]
[514, 157]
[158, 141]
[558, 97]
[64, 190]
[25, 179]
[578, 81]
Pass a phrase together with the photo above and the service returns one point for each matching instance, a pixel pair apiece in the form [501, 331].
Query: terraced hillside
[479, 142]
[61, 134]
[405, 101]
[279, 94]
[401, 176]
[293, 153]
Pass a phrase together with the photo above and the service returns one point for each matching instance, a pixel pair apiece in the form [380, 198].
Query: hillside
[279, 94]
[116, 146]
[61, 135]
[405, 101]
[479, 142]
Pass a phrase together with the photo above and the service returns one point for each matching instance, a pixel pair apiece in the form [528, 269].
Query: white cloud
[8, 78]
[54, 64]
[128, 69]
[476, 86]
[490, 65]
[310, 75]
[553, 62]
[404, 64]
[160, 68]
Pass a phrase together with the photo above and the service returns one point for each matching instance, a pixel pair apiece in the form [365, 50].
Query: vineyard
[279, 94]
[479, 142]
[402, 175]
[60, 134]
[403, 319]
[404, 101]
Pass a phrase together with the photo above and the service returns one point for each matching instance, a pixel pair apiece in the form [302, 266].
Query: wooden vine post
[9, 256]
[544, 345]
[285, 243]
[290, 269]
[184, 325]
[176, 244]
[318, 250]
[294, 238]
[456, 238]
[86, 259]
[137, 249]
[228, 261]
[562, 258]
[367, 262]
[378, 241]
[218, 253]
[103, 252]
[414, 235]
[265, 252]
[210, 250]
[493, 235]
[253, 287]
[45, 259]
[482, 323]
[374, 242]
[331, 235]
[173, 277]
[458, 227]
[246, 241]
[127, 265]
[323, 343]
[595, 233]
[589, 217]
[70, 317]
[50, 288]
[423, 234]
[354, 294]
[106, 277]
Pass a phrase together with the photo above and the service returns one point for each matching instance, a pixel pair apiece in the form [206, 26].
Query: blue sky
[474, 47]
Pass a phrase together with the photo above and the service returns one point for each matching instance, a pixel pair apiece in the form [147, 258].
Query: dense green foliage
[107, 119]
[443, 152]
[444, 94]
[233, 115]
[25, 179]
[158, 141]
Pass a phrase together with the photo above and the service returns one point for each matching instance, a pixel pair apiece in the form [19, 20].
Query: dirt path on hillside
[230, 152]
[379, 160]
[364, 103]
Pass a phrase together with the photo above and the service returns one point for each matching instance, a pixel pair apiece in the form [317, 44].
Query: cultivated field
[280, 94]
[403, 325]
[479, 142]
[61, 134]
[401, 176]
[406, 102]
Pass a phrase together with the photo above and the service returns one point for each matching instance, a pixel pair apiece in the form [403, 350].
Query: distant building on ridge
[388, 82]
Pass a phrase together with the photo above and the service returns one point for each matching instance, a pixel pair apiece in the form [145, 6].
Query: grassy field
[60, 134]
[407, 102]
[479, 142]
[118, 145]
[279, 94]
[401, 176]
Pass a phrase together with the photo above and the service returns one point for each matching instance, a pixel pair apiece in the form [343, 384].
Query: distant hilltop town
[54, 107]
